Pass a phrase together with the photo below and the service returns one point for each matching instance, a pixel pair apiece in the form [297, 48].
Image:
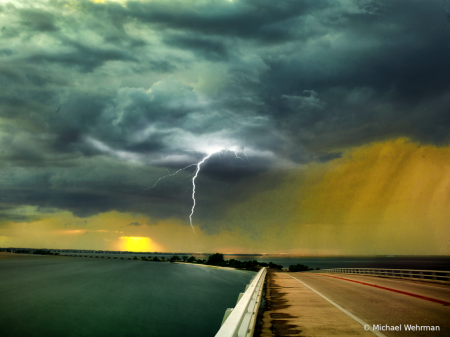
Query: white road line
[359, 320]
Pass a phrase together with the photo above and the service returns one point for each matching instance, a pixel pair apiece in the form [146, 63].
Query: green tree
[184, 258]
[216, 260]
[175, 258]
[235, 263]
[299, 267]
[275, 266]
[191, 259]
[249, 265]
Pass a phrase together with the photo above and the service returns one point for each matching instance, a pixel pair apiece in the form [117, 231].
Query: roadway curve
[376, 305]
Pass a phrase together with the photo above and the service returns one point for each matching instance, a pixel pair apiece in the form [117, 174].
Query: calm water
[62, 296]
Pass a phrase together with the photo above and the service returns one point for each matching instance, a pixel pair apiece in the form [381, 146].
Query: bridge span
[318, 304]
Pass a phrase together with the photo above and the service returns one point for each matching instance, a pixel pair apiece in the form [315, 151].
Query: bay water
[62, 296]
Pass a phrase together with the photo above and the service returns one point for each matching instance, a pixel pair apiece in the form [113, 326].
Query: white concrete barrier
[240, 321]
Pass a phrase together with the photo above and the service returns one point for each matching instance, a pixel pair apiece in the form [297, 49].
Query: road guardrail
[436, 276]
[240, 320]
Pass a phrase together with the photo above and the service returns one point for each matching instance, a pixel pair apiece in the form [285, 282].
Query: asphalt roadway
[386, 303]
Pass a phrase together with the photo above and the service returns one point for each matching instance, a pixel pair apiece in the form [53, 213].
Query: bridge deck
[295, 310]
[303, 304]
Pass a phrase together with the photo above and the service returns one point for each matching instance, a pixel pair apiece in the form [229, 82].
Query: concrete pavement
[304, 304]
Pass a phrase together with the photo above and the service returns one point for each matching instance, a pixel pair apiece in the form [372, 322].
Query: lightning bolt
[245, 154]
[168, 175]
[195, 175]
[237, 157]
[193, 186]
[197, 170]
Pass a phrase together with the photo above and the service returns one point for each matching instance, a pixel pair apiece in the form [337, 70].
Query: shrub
[299, 267]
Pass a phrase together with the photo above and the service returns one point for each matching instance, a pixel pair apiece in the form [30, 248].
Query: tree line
[216, 259]
[29, 251]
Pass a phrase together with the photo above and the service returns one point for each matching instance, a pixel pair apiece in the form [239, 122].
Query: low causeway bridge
[342, 302]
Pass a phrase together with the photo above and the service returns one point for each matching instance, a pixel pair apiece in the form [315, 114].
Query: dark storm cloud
[37, 20]
[159, 84]
[4, 218]
[135, 224]
[373, 91]
[263, 20]
[83, 57]
[6, 52]
[89, 187]
[207, 48]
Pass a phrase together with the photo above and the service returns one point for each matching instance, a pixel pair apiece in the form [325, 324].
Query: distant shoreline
[288, 255]
[439, 263]
[6, 255]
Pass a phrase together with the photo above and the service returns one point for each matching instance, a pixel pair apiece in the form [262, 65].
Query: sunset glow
[136, 244]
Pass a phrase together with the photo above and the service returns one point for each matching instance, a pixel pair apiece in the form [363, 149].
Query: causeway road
[310, 304]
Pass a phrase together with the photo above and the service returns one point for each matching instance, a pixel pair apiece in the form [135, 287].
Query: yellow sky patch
[389, 197]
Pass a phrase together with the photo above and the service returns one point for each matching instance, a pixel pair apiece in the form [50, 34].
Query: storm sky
[307, 107]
